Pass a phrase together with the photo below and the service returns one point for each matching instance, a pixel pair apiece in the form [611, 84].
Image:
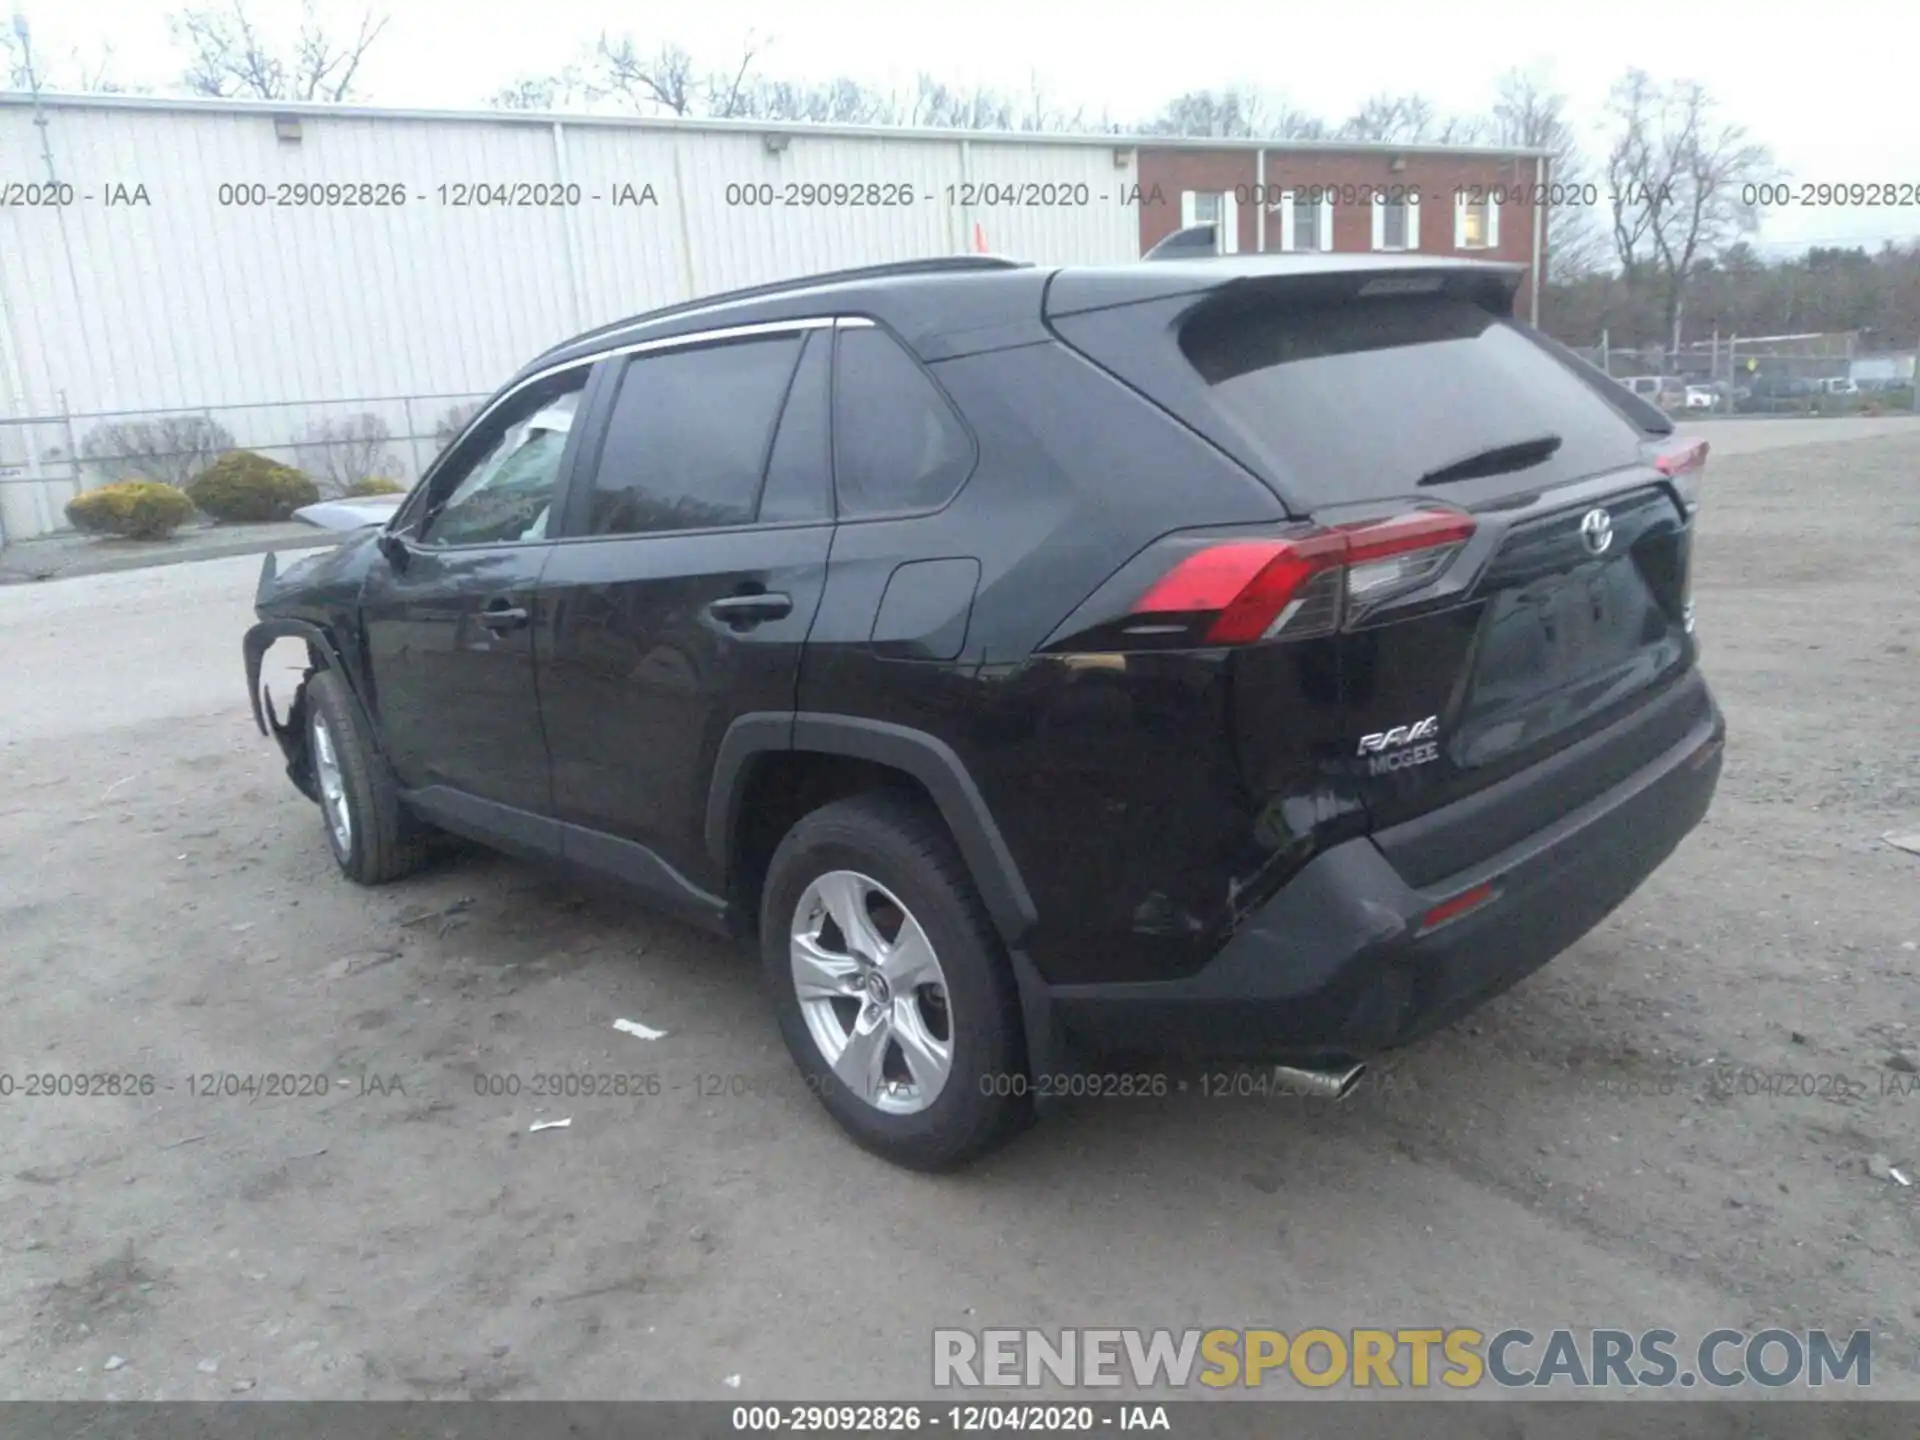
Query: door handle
[502, 616]
[751, 609]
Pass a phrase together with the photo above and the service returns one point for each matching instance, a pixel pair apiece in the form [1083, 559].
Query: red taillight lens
[1682, 459]
[1306, 584]
[1683, 462]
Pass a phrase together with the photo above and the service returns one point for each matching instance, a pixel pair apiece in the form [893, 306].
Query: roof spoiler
[1188, 244]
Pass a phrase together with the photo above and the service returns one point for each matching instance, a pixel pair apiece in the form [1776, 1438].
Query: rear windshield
[1362, 400]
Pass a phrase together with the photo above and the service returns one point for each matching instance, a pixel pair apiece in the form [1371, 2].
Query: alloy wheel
[871, 991]
[333, 787]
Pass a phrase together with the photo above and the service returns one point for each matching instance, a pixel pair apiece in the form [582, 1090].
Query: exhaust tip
[1335, 1084]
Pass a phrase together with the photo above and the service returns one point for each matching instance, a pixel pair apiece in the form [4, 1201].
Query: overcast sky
[1829, 87]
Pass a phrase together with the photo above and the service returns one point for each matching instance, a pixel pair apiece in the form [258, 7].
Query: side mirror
[394, 548]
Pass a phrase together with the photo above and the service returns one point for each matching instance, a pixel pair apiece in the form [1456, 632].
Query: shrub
[377, 485]
[138, 509]
[167, 448]
[248, 486]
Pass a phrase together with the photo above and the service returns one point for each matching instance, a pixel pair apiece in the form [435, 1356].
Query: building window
[1306, 221]
[1215, 208]
[1476, 222]
[1396, 222]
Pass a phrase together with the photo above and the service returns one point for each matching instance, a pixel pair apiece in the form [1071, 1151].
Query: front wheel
[890, 987]
[371, 836]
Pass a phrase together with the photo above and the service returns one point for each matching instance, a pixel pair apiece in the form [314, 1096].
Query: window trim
[1412, 206]
[1322, 224]
[403, 518]
[833, 447]
[1461, 206]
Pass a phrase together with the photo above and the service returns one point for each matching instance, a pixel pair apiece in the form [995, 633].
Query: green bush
[244, 486]
[138, 509]
[376, 485]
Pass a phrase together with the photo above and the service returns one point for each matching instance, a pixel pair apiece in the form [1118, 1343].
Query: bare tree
[1528, 113]
[1237, 112]
[1678, 176]
[22, 67]
[1634, 188]
[169, 448]
[841, 101]
[342, 453]
[667, 80]
[939, 106]
[1233, 113]
[230, 57]
[562, 90]
[1410, 120]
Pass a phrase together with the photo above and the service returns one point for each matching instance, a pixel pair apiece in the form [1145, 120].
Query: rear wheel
[372, 838]
[889, 985]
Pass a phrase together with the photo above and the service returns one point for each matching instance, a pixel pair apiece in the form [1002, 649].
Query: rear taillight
[1307, 584]
[1683, 462]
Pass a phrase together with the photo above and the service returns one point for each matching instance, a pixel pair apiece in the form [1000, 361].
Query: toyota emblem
[1596, 531]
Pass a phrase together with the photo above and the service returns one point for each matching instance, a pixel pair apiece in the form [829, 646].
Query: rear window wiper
[1498, 460]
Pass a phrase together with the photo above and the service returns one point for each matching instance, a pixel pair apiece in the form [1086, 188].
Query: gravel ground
[1565, 1156]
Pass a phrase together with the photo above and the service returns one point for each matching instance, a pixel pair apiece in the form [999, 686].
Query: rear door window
[1362, 399]
[687, 443]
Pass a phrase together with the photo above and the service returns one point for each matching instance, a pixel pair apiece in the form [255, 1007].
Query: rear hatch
[1495, 536]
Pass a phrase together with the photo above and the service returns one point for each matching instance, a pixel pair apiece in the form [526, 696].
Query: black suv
[1265, 657]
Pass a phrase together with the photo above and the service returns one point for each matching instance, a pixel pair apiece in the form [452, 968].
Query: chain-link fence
[1812, 374]
[46, 460]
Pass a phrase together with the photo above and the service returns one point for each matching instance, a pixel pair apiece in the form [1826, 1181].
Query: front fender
[291, 734]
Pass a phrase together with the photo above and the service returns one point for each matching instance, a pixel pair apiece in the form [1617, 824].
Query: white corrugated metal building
[273, 266]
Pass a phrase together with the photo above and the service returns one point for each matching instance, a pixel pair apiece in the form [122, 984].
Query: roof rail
[932, 265]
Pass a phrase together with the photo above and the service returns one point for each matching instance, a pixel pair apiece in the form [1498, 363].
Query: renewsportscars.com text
[1457, 1358]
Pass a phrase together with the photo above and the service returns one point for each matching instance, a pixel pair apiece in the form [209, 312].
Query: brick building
[1351, 198]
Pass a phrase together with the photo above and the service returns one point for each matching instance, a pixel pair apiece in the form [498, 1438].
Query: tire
[913, 868]
[380, 843]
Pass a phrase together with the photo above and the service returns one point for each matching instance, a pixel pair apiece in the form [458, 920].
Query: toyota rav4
[1265, 657]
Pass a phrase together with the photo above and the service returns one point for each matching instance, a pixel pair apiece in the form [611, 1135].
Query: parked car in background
[1669, 392]
[351, 513]
[1837, 385]
[856, 617]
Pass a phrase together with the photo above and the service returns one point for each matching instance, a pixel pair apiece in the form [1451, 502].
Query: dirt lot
[168, 910]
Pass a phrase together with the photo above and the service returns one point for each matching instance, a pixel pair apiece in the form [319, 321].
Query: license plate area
[1559, 650]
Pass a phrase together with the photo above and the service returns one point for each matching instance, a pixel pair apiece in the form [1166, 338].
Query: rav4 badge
[1402, 746]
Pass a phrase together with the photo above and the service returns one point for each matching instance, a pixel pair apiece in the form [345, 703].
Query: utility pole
[25, 37]
[94, 373]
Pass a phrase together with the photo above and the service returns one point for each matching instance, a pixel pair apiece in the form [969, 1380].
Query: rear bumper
[1336, 967]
